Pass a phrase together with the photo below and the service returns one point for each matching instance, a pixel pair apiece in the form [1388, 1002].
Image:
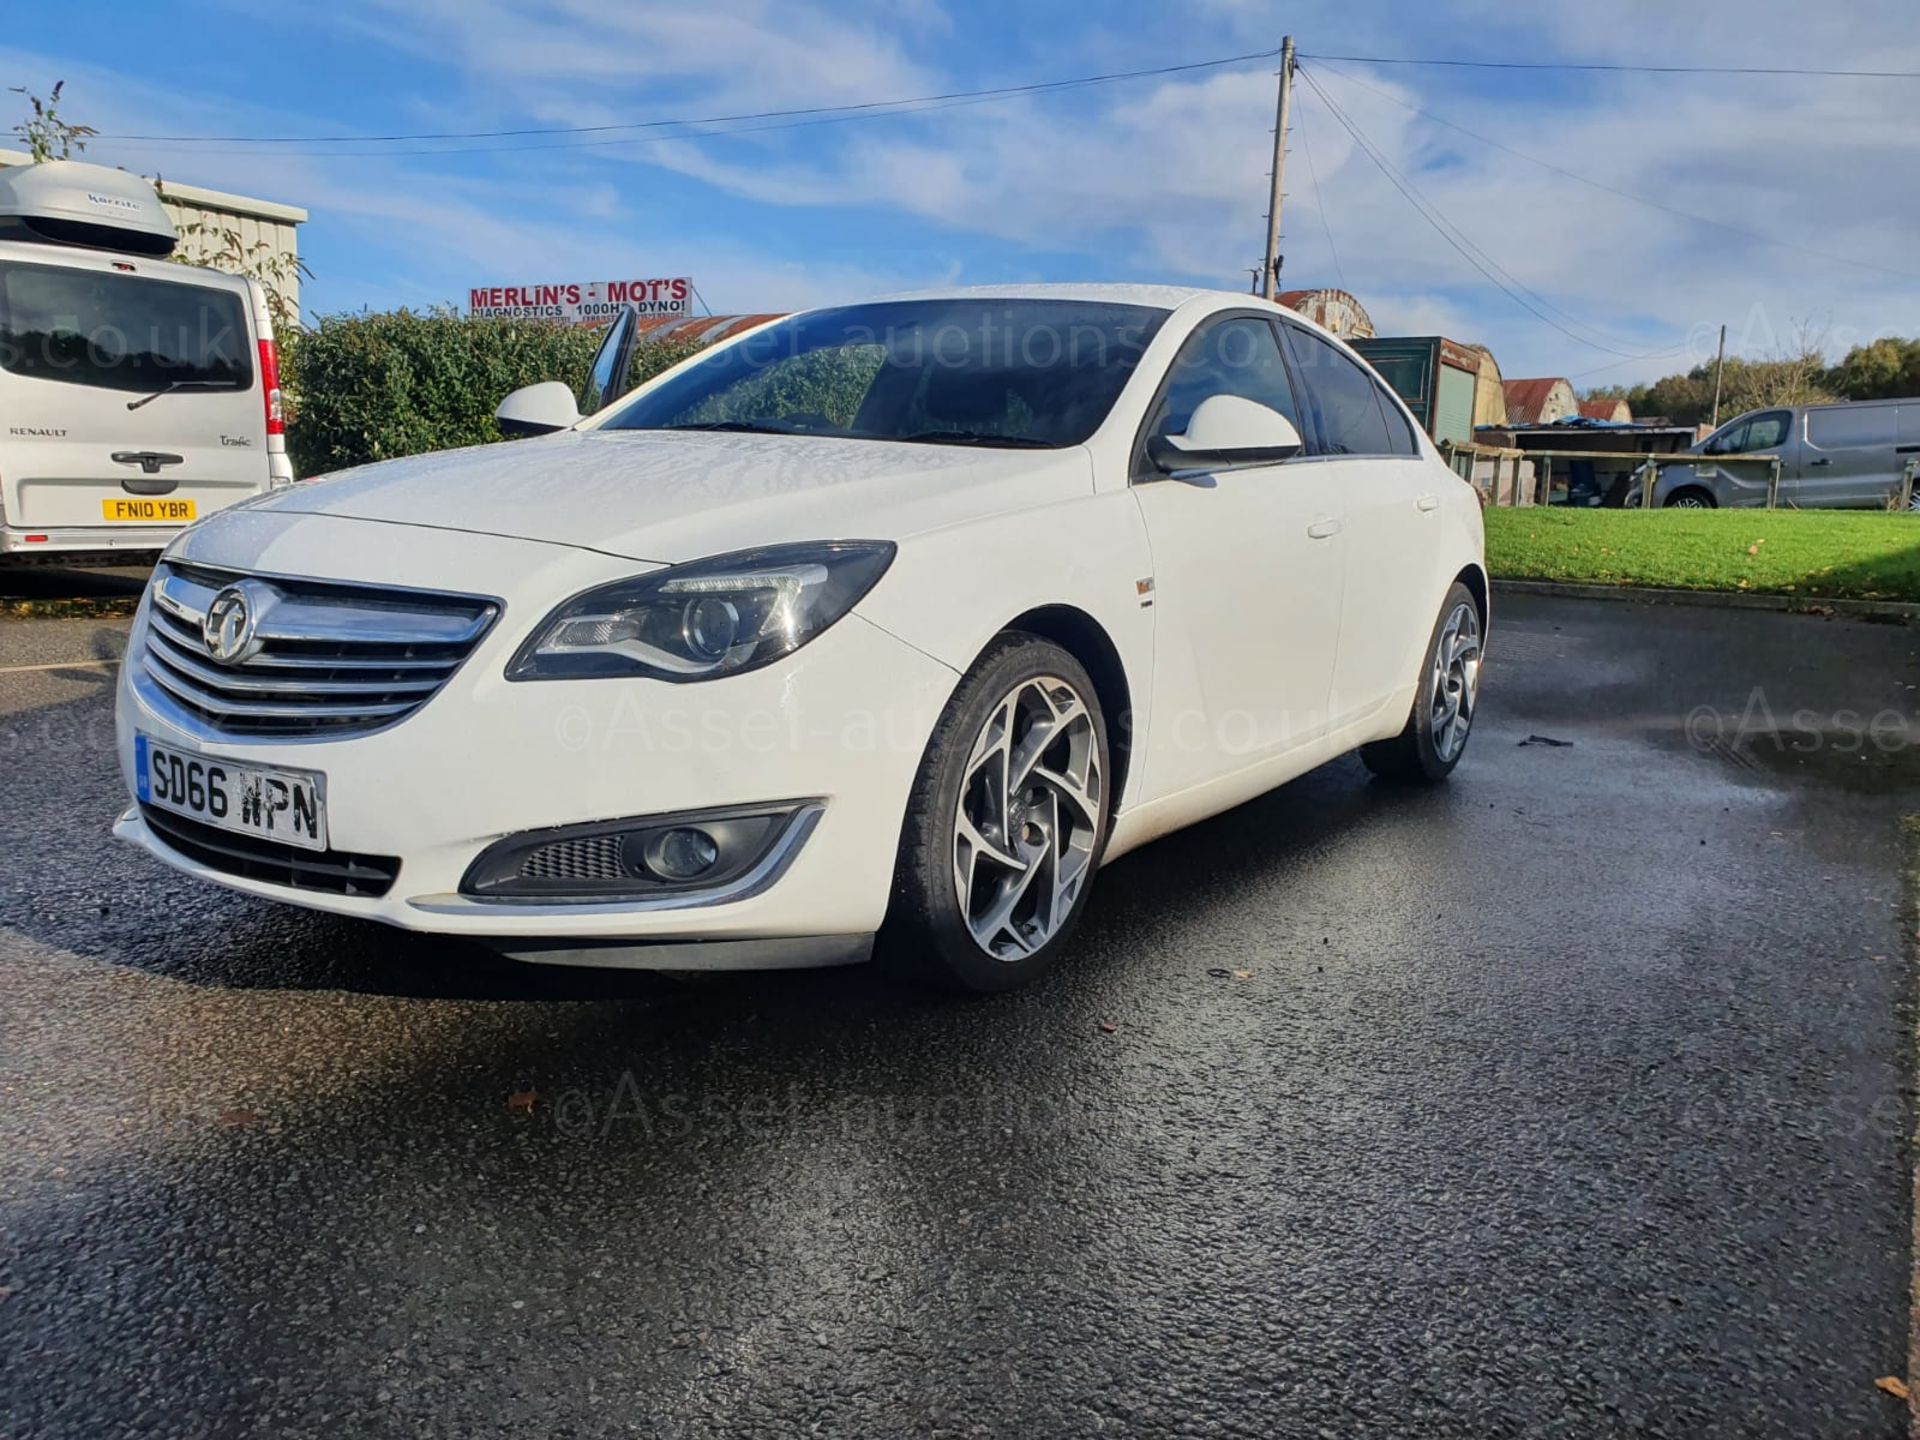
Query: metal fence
[1464, 458]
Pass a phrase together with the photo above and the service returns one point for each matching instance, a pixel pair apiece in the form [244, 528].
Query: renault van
[136, 395]
[1832, 457]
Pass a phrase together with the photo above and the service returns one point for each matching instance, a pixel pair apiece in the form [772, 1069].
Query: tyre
[1689, 498]
[1436, 732]
[1006, 822]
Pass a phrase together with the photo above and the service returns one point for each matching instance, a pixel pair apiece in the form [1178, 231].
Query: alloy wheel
[1028, 821]
[1456, 680]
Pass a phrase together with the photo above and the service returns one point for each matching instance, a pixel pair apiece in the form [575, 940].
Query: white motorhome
[136, 395]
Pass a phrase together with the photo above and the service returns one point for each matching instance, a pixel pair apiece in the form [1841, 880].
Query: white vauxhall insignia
[915, 611]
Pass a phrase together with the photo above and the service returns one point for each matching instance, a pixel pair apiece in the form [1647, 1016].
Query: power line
[1625, 194]
[1621, 68]
[864, 106]
[589, 144]
[1320, 204]
[1467, 250]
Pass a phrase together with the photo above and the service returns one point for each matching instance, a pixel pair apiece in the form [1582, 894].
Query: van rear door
[130, 395]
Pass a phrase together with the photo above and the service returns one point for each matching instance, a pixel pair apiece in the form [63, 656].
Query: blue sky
[1160, 180]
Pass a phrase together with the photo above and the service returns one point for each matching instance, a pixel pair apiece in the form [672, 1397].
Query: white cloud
[1161, 179]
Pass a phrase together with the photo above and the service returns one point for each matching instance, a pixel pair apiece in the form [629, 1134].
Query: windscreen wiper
[975, 437]
[174, 385]
[743, 427]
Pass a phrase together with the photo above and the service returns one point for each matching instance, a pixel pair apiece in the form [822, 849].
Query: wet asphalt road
[1570, 1099]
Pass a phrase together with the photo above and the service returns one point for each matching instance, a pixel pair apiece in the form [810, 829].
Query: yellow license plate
[148, 512]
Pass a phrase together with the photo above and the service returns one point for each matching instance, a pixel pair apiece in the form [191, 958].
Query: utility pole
[1719, 364]
[1272, 261]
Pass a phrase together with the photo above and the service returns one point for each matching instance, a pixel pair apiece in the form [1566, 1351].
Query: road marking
[58, 665]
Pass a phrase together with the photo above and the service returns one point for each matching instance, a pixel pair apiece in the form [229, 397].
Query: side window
[1238, 356]
[598, 390]
[1766, 431]
[1730, 441]
[1349, 415]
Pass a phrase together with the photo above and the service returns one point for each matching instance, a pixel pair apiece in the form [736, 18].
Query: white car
[914, 611]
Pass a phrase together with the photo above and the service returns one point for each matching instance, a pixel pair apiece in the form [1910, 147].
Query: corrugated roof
[1527, 399]
[1606, 410]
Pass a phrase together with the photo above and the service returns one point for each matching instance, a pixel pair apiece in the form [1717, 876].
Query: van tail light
[270, 379]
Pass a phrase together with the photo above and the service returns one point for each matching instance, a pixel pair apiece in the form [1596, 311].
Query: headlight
[708, 618]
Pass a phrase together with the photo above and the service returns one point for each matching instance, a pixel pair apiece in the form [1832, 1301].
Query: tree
[1880, 371]
[47, 136]
[1795, 374]
[202, 241]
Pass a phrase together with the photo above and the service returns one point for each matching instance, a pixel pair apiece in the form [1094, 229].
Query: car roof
[1163, 297]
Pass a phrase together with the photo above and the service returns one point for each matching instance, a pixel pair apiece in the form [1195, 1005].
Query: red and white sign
[576, 301]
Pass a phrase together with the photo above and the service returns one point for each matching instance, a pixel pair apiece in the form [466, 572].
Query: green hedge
[376, 386]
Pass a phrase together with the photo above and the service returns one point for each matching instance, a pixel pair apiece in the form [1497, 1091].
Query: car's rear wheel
[1006, 823]
[1436, 732]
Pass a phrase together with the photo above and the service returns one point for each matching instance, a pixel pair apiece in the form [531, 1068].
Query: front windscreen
[1012, 373]
[121, 332]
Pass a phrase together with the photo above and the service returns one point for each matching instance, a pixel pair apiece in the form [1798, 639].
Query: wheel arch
[1475, 579]
[1692, 487]
[1086, 639]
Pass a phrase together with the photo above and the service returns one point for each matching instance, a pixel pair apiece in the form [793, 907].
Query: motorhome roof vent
[67, 203]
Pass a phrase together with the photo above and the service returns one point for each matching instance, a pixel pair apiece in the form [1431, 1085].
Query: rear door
[130, 393]
[1848, 458]
[1388, 496]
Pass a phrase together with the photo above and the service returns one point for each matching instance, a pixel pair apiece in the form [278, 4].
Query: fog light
[646, 857]
[681, 854]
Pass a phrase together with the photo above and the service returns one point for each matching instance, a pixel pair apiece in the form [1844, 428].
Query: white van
[136, 395]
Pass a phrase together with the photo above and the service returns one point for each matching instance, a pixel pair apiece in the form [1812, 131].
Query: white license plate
[288, 806]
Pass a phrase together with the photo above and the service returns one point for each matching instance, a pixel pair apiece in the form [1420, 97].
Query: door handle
[1323, 529]
[1428, 502]
[1822, 461]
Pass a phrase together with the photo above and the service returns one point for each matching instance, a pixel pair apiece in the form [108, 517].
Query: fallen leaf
[1218, 972]
[1243, 974]
[1893, 1385]
[522, 1102]
[1107, 1027]
[1753, 549]
[238, 1119]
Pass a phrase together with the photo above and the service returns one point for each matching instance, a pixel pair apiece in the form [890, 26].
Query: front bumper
[845, 719]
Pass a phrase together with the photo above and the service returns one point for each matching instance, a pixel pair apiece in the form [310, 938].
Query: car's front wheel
[1689, 498]
[1006, 823]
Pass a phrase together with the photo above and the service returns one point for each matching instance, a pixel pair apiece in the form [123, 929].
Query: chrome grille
[331, 659]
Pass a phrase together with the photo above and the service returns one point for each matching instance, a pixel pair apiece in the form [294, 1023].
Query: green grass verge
[1854, 555]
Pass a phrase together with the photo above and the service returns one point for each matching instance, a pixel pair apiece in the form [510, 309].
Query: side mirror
[537, 410]
[1227, 432]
